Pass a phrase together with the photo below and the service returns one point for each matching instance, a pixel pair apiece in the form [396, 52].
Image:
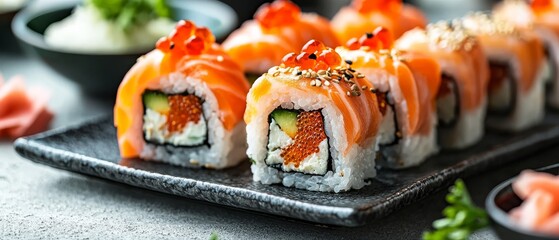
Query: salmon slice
[365, 15]
[278, 29]
[209, 65]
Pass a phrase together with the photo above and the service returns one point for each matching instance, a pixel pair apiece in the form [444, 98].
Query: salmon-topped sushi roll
[462, 95]
[278, 28]
[541, 16]
[366, 15]
[406, 85]
[312, 123]
[516, 88]
[183, 103]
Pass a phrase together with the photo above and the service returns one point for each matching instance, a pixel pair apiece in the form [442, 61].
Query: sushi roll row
[330, 103]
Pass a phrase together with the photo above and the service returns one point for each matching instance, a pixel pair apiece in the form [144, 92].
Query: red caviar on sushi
[183, 103]
[278, 28]
[312, 122]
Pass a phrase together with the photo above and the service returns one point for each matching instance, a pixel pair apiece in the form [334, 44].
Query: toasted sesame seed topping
[220, 58]
[349, 62]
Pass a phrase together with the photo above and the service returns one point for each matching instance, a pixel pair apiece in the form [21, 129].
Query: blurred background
[435, 9]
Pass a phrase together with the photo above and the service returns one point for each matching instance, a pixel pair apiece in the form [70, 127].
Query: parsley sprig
[461, 218]
[126, 13]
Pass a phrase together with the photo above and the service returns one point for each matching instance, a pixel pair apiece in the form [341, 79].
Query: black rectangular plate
[91, 149]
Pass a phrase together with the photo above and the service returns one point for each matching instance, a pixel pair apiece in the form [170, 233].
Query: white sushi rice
[86, 31]
[351, 168]
[224, 149]
[467, 131]
[501, 98]
[411, 150]
[446, 107]
[529, 107]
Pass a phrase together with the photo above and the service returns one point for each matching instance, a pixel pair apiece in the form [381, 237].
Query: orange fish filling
[310, 133]
[183, 109]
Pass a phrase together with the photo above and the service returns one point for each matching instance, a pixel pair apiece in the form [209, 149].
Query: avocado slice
[156, 101]
[286, 120]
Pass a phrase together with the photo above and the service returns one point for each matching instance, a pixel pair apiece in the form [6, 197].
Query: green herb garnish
[214, 236]
[462, 216]
[127, 13]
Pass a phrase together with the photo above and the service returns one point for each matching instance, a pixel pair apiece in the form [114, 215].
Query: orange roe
[310, 133]
[277, 14]
[186, 38]
[315, 56]
[313, 46]
[367, 6]
[379, 39]
[183, 109]
[540, 6]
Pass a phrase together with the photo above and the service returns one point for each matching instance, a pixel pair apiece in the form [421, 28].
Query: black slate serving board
[91, 149]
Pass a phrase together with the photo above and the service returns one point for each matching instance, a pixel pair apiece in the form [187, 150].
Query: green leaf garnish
[126, 13]
[214, 236]
[461, 218]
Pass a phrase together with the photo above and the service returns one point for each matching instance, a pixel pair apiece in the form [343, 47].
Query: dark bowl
[501, 200]
[100, 74]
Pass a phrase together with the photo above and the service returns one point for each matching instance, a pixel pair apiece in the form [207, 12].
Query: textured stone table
[40, 202]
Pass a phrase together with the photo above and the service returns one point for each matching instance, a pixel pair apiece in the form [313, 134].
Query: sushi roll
[405, 86]
[183, 103]
[462, 96]
[312, 123]
[366, 15]
[278, 28]
[541, 16]
[516, 86]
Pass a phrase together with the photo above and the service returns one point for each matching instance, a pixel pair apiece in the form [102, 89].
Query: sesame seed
[318, 83]
[359, 75]
[348, 61]
[321, 72]
[220, 58]
[313, 83]
[326, 83]
[276, 74]
[364, 87]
